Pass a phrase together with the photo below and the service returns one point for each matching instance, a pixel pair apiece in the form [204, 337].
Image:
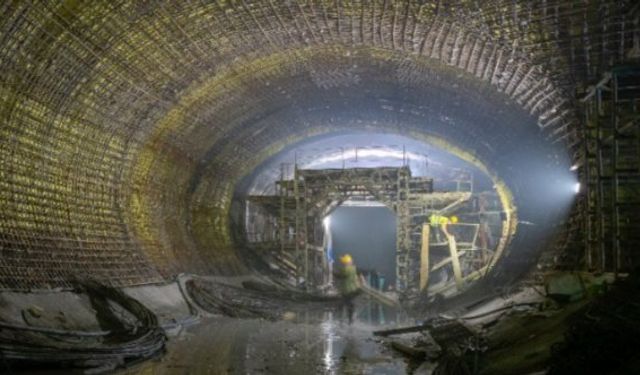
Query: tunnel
[170, 171]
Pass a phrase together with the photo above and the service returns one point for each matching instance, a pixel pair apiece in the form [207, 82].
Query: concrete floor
[312, 343]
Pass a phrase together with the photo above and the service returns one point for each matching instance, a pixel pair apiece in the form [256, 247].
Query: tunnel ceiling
[125, 125]
[358, 150]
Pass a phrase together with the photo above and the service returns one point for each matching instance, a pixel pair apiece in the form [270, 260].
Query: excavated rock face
[126, 126]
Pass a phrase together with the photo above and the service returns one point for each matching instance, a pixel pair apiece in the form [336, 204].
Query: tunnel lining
[80, 91]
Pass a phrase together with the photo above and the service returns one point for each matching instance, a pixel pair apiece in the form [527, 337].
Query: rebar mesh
[126, 124]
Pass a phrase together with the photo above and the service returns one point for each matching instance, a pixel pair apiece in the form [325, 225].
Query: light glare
[576, 187]
[326, 221]
[369, 153]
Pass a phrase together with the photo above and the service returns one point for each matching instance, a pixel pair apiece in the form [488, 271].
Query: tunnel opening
[368, 234]
[450, 213]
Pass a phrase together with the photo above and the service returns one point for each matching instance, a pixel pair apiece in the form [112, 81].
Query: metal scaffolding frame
[611, 172]
[303, 200]
[305, 197]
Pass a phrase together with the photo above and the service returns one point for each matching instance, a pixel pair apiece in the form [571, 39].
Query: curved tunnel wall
[125, 126]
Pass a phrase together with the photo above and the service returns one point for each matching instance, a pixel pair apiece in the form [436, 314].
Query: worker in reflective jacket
[348, 284]
[439, 221]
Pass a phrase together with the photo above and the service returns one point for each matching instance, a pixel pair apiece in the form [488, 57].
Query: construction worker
[436, 220]
[442, 222]
[348, 283]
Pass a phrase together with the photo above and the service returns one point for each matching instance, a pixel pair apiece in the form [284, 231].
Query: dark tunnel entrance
[368, 234]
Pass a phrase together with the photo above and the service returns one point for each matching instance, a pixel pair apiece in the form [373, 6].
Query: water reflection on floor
[315, 342]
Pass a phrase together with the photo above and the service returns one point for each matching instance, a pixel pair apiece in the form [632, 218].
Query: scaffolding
[611, 173]
[292, 231]
[304, 199]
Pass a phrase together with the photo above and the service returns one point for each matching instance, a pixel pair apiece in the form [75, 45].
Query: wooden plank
[377, 295]
[424, 257]
[399, 331]
[472, 276]
[455, 261]
[446, 261]
[452, 206]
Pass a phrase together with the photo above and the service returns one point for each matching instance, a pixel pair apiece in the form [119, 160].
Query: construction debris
[445, 341]
[526, 331]
[603, 336]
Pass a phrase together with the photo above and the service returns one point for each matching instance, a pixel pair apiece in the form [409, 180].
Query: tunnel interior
[181, 161]
[167, 165]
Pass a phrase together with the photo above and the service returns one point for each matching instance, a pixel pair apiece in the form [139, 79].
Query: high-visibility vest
[438, 220]
[435, 220]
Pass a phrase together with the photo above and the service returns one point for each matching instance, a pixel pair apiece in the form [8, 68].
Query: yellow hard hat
[346, 259]
[454, 219]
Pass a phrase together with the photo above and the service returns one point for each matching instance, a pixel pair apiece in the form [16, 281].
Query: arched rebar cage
[126, 125]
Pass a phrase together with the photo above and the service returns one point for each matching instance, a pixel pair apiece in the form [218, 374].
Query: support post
[455, 260]
[424, 257]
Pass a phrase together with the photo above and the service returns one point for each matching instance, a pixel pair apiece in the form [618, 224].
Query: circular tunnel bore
[134, 132]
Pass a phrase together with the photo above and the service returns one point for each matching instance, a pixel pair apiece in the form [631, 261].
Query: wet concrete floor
[314, 342]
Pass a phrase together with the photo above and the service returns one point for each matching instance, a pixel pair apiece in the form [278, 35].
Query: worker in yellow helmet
[348, 284]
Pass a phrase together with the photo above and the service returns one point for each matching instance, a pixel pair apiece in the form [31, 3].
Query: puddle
[316, 341]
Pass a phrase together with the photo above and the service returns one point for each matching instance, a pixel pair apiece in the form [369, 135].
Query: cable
[98, 350]
[52, 331]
